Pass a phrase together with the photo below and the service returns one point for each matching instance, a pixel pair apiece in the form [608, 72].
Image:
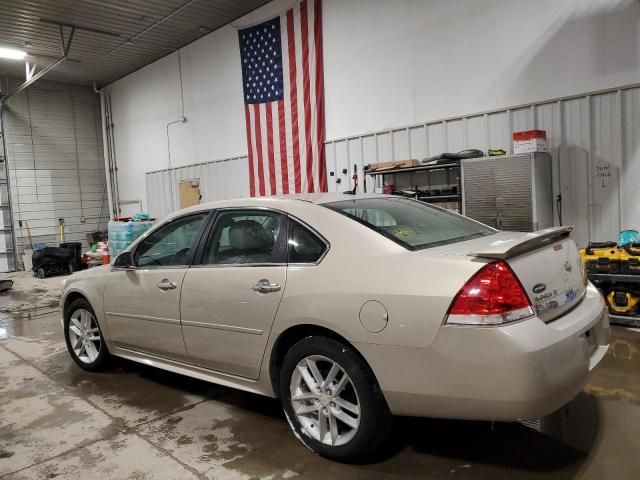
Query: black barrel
[77, 253]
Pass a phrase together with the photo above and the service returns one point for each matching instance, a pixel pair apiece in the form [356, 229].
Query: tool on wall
[29, 234]
[354, 177]
[559, 208]
[61, 222]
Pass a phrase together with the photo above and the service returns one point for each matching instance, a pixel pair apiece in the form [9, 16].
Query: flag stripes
[284, 102]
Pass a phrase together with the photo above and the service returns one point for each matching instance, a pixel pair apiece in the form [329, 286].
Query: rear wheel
[41, 273]
[84, 337]
[332, 400]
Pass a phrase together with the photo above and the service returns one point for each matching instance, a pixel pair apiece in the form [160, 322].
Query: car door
[142, 303]
[230, 299]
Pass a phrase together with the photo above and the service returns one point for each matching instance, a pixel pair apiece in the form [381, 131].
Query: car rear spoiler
[522, 242]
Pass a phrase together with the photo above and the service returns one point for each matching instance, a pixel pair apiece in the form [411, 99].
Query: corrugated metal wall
[219, 180]
[586, 135]
[55, 158]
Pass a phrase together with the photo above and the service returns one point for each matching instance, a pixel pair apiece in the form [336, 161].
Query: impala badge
[539, 288]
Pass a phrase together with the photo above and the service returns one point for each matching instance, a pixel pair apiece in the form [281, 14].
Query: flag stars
[261, 53]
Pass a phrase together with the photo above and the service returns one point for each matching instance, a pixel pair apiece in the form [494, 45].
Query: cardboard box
[394, 165]
[530, 141]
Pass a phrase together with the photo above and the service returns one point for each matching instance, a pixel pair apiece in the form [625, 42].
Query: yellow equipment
[601, 258]
[623, 302]
[630, 259]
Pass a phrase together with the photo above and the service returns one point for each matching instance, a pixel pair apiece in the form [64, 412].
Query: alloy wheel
[84, 336]
[325, 400]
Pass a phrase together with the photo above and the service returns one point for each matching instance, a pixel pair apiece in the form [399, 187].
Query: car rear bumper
[521, 371]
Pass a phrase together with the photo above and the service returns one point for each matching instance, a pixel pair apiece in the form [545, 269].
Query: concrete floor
[57, 421]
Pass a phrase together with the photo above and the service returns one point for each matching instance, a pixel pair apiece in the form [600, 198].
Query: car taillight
[493, 296]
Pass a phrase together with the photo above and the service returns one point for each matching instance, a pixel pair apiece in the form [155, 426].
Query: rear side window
[246, 237]
[303, 245]
[412, 224]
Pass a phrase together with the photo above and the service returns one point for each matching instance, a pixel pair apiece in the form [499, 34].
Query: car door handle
[166, 285]
[265, 286]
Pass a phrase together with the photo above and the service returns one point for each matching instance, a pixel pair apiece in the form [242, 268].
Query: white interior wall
[387, 65]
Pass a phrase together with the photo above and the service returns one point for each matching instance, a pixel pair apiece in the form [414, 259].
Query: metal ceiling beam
[29, 70]
[80, 27]
[153, 25]
[113, 37]
[31, 78]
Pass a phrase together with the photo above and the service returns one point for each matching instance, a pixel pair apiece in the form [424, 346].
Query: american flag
[283, 90]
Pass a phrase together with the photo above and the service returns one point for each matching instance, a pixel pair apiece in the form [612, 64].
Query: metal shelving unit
[411, 178]
[420, 168]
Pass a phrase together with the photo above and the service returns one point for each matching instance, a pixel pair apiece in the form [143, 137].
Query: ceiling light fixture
[12, 53]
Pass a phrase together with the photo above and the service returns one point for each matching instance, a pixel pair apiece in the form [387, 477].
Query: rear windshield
[412, 224]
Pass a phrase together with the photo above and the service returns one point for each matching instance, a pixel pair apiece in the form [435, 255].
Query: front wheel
[332, 400]
[84, 337]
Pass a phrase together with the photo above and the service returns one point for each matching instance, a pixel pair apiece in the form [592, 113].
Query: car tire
[84, 338]
[361, 418]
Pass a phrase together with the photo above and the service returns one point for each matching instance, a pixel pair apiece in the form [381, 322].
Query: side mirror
[124, 261]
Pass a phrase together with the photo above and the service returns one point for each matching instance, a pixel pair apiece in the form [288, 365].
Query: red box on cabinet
[530, 141]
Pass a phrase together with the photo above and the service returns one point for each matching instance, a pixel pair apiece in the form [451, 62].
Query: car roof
[320, 198]
[315, 198]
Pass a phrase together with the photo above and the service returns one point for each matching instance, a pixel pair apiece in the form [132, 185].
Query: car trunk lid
[546, 262]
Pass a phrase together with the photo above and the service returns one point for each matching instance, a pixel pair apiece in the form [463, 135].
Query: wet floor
[57, 421]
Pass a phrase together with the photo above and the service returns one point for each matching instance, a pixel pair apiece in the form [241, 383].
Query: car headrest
[249, 235]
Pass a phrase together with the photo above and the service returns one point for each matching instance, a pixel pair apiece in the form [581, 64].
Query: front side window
[172, 244]
[245, 237]
[304, 245]
[412, 224]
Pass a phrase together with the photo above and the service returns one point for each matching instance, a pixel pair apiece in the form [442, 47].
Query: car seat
[249, 242]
